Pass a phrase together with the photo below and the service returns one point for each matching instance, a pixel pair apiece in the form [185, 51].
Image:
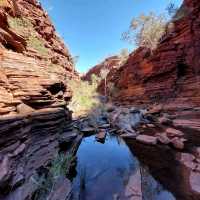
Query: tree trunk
[105, 87]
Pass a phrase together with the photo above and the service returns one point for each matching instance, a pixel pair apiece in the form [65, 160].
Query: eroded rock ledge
[33, 112]
[34, 69]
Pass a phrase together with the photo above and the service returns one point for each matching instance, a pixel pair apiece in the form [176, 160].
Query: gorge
[140, 143]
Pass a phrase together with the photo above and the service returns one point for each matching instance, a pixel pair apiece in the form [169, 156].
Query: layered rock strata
[34, 69]
[171, 73]
[26, 27]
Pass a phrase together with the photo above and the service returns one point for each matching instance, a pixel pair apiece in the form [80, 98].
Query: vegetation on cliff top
[25, 28]
[147, 30]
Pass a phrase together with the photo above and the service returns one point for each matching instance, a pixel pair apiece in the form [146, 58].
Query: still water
[110, 171]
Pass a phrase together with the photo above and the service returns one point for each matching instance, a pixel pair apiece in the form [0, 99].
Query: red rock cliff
[108, 63]
[34, 67]
[26, 27]
[172, 73]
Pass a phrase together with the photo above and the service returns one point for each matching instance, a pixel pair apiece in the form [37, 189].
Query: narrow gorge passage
[116, 116]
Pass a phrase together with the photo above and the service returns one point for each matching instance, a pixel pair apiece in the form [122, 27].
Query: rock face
[26, 27]
[112, 62]
[25, 80]
[171, 73]
[34, 67]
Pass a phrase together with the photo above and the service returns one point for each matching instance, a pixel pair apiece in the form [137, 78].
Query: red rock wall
[33, 98]
[108, 63]
[31, 10]
[172, 73]
[30, 73]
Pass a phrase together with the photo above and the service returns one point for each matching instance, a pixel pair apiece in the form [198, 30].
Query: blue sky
[92, 29]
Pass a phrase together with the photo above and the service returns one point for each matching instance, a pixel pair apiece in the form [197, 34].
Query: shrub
[124, 55]
[44, 182]
[84, 96]
[21, 26]
[24, 27]
[95, 79]
[37, 44]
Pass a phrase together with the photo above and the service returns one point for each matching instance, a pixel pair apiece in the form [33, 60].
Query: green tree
[146, 30]
[124, 54]
[171, 9]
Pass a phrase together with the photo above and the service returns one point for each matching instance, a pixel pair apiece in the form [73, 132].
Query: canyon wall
[109, 63]
[169, 75]
[34, 69]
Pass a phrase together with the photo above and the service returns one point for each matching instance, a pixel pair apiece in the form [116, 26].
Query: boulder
[151, 125]
[188, 160]
[24, 109]
[177, 143]
[155, 109]
[162, 138]
[164, 121]
[66, 138]
[101, 136]
[110, 107]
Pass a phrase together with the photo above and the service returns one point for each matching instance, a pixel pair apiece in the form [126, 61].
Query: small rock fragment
[146, 139]
[177, 143]
[164, 120]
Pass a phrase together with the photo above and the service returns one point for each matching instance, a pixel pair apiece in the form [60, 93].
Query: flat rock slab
[151, 125]
[104, 126]
[146, 139]
[194, 182]
[62, 190]
[87, 130]
[67, 137]
[183, 123]
[133, 188]
[128, 135]
[171, 132]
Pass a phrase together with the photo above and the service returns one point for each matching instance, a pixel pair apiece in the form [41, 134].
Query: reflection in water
[110, 171]
[164, 165]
